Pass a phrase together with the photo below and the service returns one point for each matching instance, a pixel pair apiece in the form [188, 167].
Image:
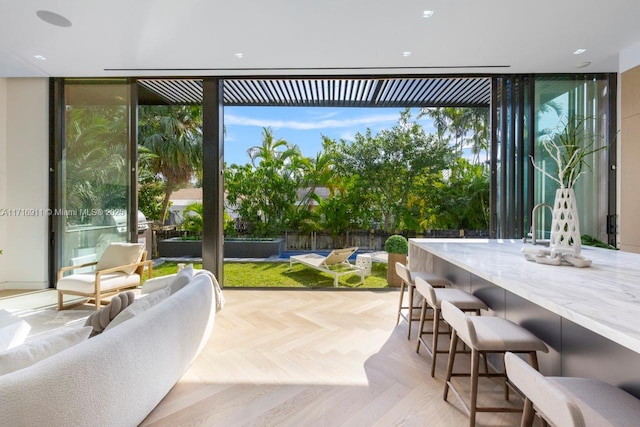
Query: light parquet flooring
[316, 358]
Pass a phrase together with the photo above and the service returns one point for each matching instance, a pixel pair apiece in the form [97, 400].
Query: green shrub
[396, 244]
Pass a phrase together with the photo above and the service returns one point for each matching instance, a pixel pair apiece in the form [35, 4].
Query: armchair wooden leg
[60, 300]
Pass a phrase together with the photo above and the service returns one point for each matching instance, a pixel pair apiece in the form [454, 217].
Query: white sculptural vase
[565, 242]
[565, 225]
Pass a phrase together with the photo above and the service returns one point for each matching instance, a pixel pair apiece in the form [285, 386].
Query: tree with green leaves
[96, 160]
[264, 192]
[171, 137]
[193, 221]
[453, 199]
[150, 188]
[383, 167]
[468, 127]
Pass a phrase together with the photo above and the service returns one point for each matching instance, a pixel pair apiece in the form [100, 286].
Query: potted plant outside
[397, 247]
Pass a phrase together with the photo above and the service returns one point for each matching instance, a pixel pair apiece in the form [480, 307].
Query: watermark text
[61, 212]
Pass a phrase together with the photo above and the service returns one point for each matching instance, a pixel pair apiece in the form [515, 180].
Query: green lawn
[278, 275]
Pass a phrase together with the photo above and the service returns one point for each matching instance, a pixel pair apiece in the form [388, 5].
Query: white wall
[629, 58]
[3, 171]
[24, 121]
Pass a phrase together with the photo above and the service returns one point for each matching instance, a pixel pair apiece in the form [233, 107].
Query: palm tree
[95, 159]
[271, 150]
[468, 126]
[172, 136]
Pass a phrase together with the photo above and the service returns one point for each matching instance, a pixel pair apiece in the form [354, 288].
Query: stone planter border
[233, 248]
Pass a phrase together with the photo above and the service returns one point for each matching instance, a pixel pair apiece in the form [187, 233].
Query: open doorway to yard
[313, 179]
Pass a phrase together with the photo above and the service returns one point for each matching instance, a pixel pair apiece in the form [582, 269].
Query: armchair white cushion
[121, 254]
[84, 282]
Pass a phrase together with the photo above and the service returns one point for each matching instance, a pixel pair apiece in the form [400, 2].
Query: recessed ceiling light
[427, 13]
[579, 51]
[53, 18]
[583, 64]
[406, 53]
[40, 57]
[238, 55]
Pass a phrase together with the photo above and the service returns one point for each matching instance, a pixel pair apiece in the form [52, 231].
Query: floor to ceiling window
[95, 144]
[526, 109]
[93, 168]
[580, 106]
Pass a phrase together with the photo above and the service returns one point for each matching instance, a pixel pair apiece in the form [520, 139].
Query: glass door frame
[57, 143]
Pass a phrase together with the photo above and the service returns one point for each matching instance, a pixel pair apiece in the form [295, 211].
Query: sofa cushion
[181, 279]
[140, 305]
[13, 330]
[121, 253]
[85, 282]
[31, 352]
[101, 318]
[156, 283]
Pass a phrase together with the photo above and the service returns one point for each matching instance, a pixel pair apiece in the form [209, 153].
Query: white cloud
[232, 119]
[322, 115]
[348, 136]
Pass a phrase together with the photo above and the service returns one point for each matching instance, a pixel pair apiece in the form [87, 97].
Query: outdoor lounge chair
[336, 263]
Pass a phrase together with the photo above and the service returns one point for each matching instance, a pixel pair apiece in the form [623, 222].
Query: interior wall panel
[629, 158]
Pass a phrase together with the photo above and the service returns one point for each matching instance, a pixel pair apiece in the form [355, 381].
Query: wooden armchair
[120, 267]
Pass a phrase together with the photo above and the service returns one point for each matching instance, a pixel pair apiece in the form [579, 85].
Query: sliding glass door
[526, 109]
[92, 169]
[584, 104]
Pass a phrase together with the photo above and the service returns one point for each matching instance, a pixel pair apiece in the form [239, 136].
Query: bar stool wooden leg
[527, 414]
[475, 364]
[410, 312]
[452, 357]
[423, 314]
[402, 285]
[533, 360]
[434, 345]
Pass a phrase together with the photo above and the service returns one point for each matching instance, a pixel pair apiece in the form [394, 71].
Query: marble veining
[604, 298]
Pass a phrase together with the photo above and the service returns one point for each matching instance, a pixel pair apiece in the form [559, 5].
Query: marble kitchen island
[589, 317]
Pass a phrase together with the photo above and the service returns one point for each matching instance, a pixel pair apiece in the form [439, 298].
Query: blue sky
[302, 126]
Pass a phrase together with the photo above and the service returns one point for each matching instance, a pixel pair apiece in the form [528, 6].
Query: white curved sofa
[118, 377]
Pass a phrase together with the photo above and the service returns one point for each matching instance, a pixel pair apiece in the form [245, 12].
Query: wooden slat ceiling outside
[390, 92]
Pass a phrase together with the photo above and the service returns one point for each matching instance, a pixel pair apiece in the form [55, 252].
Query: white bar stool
[571, 402]
[433, 298]
[408, 281]
[483, 335]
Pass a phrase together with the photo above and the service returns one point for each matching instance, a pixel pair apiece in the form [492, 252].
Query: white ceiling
[314, 37]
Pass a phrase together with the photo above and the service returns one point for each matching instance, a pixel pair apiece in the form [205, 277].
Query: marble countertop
[604, 298]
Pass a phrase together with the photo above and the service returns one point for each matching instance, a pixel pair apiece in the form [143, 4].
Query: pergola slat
[343, 92]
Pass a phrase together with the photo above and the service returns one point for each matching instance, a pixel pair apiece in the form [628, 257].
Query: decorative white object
[565, 225]
[569, 151]
[364, 262]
